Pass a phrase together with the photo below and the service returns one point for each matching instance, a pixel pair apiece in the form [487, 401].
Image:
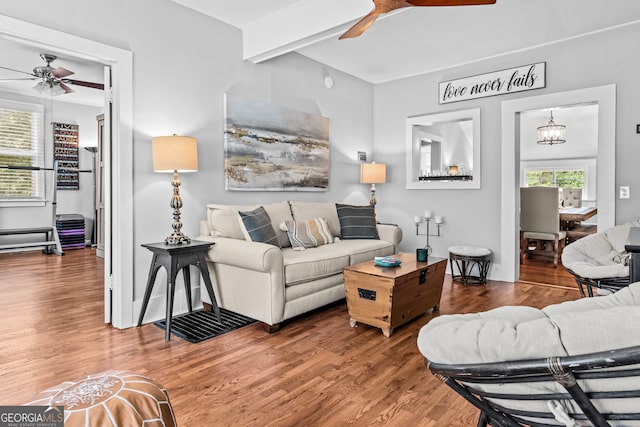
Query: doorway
[118, 271]
[604, 97]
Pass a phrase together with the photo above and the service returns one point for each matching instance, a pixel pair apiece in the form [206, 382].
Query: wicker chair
[595, 286]
[570, 374]
[599, 262]
[562, 365]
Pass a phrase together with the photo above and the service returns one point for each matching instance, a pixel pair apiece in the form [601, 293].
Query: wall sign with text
[527, 77]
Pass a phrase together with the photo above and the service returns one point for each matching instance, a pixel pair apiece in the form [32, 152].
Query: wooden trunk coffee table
[387, 297]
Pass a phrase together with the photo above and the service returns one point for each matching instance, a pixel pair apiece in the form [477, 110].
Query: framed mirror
[443, 150]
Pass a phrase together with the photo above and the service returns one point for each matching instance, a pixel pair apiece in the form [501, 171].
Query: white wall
[184, 62]
[473, 217]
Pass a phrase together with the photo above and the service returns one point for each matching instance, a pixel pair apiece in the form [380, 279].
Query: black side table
[175, 258]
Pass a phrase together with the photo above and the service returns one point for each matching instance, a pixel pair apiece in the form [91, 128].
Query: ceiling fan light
[41, 87]
[56, 89]
[49, 88]
[551, 133]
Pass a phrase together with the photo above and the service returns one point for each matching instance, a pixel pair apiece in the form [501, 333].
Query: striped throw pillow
[308, 234]
[357, 222]
[256, 226]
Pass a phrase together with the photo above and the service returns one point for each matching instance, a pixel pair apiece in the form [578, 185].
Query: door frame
[118, 266]
[605, 97]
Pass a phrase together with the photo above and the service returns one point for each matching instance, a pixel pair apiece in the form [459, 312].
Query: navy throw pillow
[357, 222]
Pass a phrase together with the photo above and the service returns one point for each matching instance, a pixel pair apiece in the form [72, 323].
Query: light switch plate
[624, 192]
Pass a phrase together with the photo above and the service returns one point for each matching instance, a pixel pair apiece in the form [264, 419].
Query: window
[562, 173]
[21, 144]
[562, 178]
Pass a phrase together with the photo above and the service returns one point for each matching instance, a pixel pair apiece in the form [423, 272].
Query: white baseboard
[156, 309]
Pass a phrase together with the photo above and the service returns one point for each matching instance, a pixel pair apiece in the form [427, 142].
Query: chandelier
[551, 133]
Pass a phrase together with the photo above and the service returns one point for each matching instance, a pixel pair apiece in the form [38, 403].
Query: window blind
[21, 144]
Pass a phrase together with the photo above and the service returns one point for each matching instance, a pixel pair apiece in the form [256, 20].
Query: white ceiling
[414, 41]
[410, 42]
[23, 56]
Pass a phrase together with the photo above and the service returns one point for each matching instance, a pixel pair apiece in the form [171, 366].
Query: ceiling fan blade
[83, 83]
[380, 8]
[449, 2]
[13, 80]
[61, 72]
[18, 71]
[386, 6]
[359, 27]
[66, 88]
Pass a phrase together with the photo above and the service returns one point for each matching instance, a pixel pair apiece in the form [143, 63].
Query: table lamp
[175, 154]
[373, 173]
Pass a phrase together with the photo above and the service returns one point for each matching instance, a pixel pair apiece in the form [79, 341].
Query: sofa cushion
[357, 221]
[256, 226]
[303, 211]
[308, 234]
[304, 266]
[224, 223]
[223, 220]
[364, 250]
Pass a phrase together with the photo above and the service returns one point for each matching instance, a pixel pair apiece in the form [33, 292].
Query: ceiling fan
[386, 6]
[53, 79]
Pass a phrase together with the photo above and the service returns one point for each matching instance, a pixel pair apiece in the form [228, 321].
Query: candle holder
[423, 254]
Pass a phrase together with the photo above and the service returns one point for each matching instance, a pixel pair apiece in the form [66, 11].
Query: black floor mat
[201, 325]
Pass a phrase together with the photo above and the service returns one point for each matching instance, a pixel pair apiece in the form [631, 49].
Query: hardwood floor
[316, 371]
[542, 272]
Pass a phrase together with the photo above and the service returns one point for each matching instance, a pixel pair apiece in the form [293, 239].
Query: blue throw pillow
[256, 226]
[357, 222]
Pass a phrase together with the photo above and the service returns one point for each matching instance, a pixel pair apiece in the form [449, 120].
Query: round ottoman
[465, 258]
[114, 398]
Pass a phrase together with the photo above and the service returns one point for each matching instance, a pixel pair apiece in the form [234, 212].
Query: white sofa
[272, 284]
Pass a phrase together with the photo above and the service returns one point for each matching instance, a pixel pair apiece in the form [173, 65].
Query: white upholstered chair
[540, 222]
[570, 197]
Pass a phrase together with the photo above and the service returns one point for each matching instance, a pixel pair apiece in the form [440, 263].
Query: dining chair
[540, 222]
[570, 197]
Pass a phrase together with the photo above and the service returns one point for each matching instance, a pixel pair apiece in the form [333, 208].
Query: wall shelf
[446, 178]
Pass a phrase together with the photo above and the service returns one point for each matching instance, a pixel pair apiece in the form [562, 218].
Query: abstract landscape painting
[273, 148]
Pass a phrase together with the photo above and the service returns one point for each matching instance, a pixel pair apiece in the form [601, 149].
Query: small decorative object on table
[387, 261]
[422, 254]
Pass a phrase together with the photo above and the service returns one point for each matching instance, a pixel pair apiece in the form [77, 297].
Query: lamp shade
[373, 173]
[174, 153]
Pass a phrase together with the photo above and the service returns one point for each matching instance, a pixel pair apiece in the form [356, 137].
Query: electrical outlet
[624, 192]
[362, 156]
